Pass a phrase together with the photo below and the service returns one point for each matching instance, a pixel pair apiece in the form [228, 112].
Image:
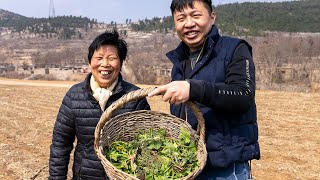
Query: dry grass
[288, 129]
[289, 138]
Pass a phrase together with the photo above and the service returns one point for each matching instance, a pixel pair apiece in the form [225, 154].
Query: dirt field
[289, 125]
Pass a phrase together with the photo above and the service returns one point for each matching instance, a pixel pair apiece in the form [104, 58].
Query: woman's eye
[112, 58]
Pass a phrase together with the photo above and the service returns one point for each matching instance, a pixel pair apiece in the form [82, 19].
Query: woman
[83, 105]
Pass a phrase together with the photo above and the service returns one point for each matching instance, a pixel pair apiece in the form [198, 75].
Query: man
[218, 74]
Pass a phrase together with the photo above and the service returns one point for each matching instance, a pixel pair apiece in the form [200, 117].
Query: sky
[102, 10]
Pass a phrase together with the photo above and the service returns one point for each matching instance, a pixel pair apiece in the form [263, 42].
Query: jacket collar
[178, 55]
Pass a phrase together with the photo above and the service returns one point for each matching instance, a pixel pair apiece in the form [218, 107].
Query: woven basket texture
[125, 126]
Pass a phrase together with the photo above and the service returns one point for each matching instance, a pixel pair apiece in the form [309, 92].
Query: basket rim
[181, 121]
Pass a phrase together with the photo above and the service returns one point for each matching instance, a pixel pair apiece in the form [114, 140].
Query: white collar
[101, 94]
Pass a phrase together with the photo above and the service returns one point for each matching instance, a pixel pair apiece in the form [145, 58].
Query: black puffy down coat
[78, 116]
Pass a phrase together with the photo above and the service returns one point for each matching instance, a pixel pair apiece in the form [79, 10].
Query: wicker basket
[125, 126]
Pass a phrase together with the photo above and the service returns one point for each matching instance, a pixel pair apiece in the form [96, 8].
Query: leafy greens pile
[152, 155]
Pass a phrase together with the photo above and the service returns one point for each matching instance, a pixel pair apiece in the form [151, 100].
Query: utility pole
[51, 10]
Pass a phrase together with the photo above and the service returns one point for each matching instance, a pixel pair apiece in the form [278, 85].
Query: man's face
[192, 25]
[105, 65]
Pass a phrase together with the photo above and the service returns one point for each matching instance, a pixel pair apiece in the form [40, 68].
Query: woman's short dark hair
[109, 38]
[179, 5]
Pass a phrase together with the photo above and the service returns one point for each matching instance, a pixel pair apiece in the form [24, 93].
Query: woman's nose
[105, 62]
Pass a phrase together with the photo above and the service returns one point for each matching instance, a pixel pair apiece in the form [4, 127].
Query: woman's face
[105, 65]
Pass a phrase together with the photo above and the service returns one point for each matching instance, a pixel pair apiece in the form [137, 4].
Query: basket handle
[138, 94]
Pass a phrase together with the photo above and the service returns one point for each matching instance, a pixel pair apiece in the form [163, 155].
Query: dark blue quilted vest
[229, 137]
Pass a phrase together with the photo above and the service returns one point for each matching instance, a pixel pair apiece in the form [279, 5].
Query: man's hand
[176, 92]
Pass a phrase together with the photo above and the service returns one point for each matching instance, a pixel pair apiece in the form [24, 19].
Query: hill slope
[62, 27]
[250, 18]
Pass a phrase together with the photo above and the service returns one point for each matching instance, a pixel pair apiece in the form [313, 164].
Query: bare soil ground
[289, 125]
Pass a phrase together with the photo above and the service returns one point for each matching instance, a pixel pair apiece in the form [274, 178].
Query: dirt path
[36, 83]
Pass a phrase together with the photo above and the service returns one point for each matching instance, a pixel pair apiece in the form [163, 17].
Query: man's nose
[189, 22]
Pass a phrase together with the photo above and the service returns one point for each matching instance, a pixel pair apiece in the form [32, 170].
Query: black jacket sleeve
[143, 104]
[62, 141]
[237, 93]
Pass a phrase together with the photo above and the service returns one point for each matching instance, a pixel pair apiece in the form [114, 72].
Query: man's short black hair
[109, 38]
[179, 5]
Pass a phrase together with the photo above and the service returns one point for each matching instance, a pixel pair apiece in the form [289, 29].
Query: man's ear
[213, 17]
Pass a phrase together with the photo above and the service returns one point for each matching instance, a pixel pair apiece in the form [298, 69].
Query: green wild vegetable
[153, 155]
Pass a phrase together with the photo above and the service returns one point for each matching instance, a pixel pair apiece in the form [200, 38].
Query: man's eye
[180, 19]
